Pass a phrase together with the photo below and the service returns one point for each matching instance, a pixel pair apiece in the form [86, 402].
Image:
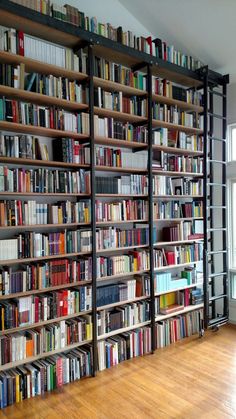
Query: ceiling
[205, 29]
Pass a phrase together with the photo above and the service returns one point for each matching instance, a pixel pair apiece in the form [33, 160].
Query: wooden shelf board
[119, 143]
[169, 125]
[43, 226]
[121, 276]
[177, 242]
[180, 103]
[124, 329]
[43, 194]
[44, 132]
[176, 174]
[109, 85]
[43, 290]
[120, 169]
[118, 249]
[120, 303]
[178, 289]
[108, 195]
[104, 223]
[40, 258]
[166, 197]
[180, 151]
[46, 163]
[41, 99]
[36, 66]
[177, 219]
[180, 265]
[121, 116]
[43, 355]
[187, 309]
[43, 323]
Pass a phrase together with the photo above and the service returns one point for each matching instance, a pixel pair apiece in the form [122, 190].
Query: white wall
[111, 11]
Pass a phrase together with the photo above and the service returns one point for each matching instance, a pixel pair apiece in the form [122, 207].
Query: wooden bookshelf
[110, 195]
[43, 290]
[24, 95]
[177, 219]
[119, 143]
[179, 103]
[43, 226]
[35, 66]
[42, 131]
[167, 197]
[176, 174]
[171, 126]
[120, 169]
[187, 309]
[41, 258]
[30, 359]
[43, 194]
[178, 151]
[121, 116]
[177, 242]
[43, 323]
[123, 330]
[121, 303]
[105, 223]
[121, 276]
[111, 86]
[43, 163]
[119, 249]
[170, 267]
[157, 294]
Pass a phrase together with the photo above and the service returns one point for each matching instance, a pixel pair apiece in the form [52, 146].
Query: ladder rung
[215, 115]
[213, 92]
[217, 274]
[216, 252]
[222, 185]
[218, 321]
[218, 297]
[217, 161]
[216, 229]
[217, 207]
[217, 139]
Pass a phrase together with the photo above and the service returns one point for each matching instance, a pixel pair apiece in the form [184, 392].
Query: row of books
[69, 150]
[124, 346]
[174, 115]
[22, 146]
[44, 180]
[177, 139]
[33, 245]
[125, 210]
[138, 260]
[127, 185]
[116, 157]
[173, 302]
[155, 47]
[115, 101]
[18, 213]
[177, 209]
[165, 185]
[164, 282]
[168, 89]
[125, 316]
[176, 255]
[17, 42]
[39, 308]
[20, 346]
[171, 330]
[44, 375]
[48, 274]
[113, 237]
[42, 116]
[178, 163]
[184, 230]
[123, 291]
[110, 128]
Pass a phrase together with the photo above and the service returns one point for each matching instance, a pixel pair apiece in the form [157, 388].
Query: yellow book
[135, 264]
[17, 388]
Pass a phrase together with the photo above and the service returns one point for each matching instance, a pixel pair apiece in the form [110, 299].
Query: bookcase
[103, 214]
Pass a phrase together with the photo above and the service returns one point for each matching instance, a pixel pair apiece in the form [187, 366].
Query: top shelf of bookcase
[66, 34]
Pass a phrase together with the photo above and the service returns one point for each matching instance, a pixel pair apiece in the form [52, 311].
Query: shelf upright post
[205, 197]
[150, 204]
[93, 209]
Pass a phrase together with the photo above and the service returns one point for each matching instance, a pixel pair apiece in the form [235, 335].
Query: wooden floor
[195, 378]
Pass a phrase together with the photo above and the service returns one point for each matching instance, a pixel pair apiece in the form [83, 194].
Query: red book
[59, 374]
[51, 118]
[21, 48]
[149, 41]
[14, 107]
[36, 309]
[65, 302]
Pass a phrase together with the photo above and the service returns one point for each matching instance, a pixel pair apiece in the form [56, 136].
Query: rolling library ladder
[215, 201]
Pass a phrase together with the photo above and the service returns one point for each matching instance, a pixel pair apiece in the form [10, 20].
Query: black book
[158, 44]
[120, 34]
